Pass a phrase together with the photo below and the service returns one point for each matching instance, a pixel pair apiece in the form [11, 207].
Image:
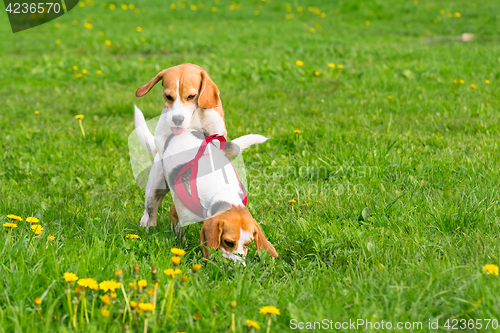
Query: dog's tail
[141, 128]
[234, 147]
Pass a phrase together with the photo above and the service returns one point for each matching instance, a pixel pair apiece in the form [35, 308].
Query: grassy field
[395, 170]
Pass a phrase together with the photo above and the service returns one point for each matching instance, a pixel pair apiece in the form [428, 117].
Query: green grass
[426, 161]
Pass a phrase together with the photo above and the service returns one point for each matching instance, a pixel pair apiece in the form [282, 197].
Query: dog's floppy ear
[210, 234]
[262, 242]
[143, 90]
[209, 93]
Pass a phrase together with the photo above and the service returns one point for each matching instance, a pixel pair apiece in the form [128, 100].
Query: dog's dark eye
[168, 97]
[190, 97]
[229, 244]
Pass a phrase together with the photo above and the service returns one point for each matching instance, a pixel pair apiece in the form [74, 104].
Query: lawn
[378, 187]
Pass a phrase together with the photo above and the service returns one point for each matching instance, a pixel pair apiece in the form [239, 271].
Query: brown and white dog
[191, 101]
[193, 110]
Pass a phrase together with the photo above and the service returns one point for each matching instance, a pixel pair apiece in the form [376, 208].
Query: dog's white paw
[147, 222]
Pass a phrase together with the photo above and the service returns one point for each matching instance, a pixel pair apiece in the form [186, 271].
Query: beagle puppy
[232, 231]
[191, 102]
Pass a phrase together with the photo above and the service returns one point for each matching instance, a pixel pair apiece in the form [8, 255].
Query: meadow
[378, 187]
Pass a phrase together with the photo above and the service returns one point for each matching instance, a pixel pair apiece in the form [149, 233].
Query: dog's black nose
[178, 120]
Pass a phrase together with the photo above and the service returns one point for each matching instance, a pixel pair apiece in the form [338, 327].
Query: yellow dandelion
[105, 312]
[172, 272]
[297, 131]
[142, 283]
[81, 4]
[141, 59]
[37, 229]
[114, 295]
[143, 39]
[213, 9]
[455, 81]
[51, 238]
[457, 14]
[79, 75]
[107, 42]
[435, 21]
[109, 285]
[256, 12]
[300, 9]
[84, 71]
[331, 65]
[58, 41]
[70, 277]
[88, 283]
[316, 73]
[367, 22]
[269, 310]
[450, 14]
[151, 291]
[132, 236]
[251, 323]
[491, 269]
[292, 201]
[340, 66]
[389, 97]
[311, 9]
[473, 86]
[317, 12]
[75, 68]
[172, 6]
[442, 11]
[124, 7]
[193, 7]
[112, 6]
[184, 278]
[79, 116]
[133, 304]
[312, 30]
[461, 81]
[99, 72]
[38, 301]
[14, 217]
[139, 29]
[178, 252]
[487, 81]
[10, 225]
[101, 33]
[299, 63]
[146, 306]
[131, 6]
[323, 15]
[196, 268]
[37, 112]
[176, 260]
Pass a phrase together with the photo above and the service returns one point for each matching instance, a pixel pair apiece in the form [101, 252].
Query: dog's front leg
[156, 189]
